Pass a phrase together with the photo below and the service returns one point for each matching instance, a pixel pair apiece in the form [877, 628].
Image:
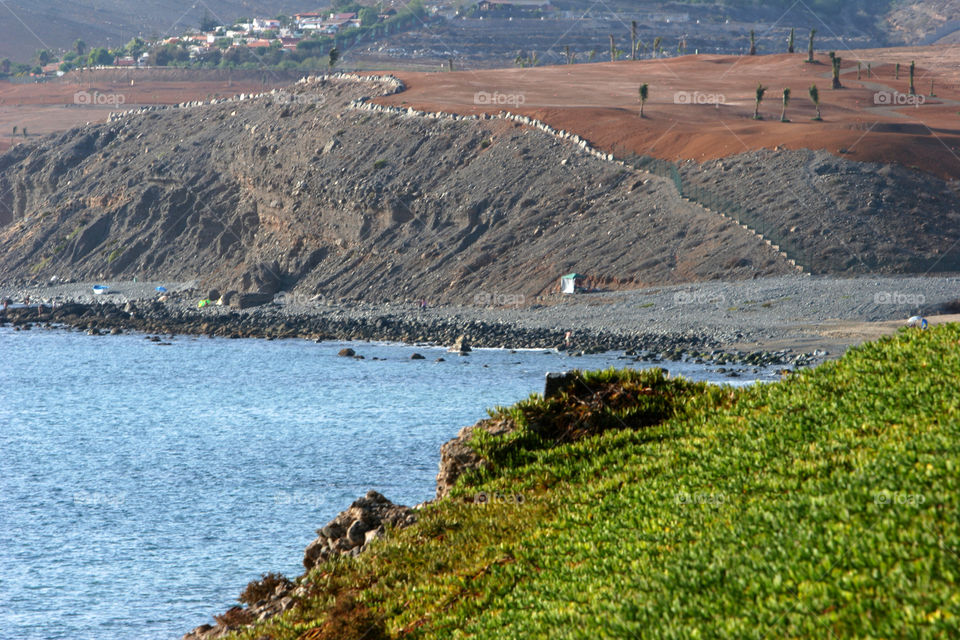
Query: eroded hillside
[301, 191]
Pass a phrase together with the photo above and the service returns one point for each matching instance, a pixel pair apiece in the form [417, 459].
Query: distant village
[303, 39]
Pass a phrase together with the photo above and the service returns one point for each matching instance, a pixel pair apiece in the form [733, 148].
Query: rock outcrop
[352, 530]
[457, 457]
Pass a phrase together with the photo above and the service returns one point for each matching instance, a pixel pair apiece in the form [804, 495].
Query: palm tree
[656, 45]
[644, 94]
[913, 68]
[761, 90]
[786, 103]
[753, 43]
[813, 32]
[836, 61]
[896, 73]
[633, 39]
[815, 98]
[791, 40]
[613, 49]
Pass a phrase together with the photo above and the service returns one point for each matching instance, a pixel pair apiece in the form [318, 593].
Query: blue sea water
[142, 486]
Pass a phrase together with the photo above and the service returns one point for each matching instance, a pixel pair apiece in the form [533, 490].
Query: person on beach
[566, 338]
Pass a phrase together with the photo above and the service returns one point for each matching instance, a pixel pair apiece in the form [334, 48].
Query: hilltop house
[265, 24]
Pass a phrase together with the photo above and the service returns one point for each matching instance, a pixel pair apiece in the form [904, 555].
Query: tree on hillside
[791, 40]
[591, 55]
[760, 92]
[99, 57]
[333, 58]
[815, 98]
[836, 61]
[368, 16]
[208, 22]
[753, 43]
[568, 54]
[136, 47]
[5, 65]
[786, 103]
[813, 33]
[913, 69]
[656, 46]
[15, 129]
[79, 47]
[896, 72]
[633, 39]
[43, 57]
[644, 94]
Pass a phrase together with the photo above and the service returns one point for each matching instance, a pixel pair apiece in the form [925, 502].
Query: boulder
[457, 457]
[352, 530]
[461, 345]
[247, 300]
[347, 353]
[262, 277]
[557, 382]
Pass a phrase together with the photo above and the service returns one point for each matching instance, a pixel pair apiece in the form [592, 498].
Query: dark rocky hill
[300, 190]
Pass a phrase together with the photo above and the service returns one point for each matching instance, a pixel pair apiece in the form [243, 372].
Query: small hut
[571, 283]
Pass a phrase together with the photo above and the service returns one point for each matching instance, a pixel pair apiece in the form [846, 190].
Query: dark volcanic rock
[354, 528]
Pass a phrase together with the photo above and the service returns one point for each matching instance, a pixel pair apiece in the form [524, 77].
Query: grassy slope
[823, 506]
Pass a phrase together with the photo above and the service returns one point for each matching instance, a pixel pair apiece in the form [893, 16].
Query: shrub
[264, 588]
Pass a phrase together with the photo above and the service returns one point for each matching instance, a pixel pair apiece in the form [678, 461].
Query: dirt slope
[701, 107]
[303, 191]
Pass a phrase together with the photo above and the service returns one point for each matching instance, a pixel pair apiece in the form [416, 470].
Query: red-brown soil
[600, 102]
[51, 106]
